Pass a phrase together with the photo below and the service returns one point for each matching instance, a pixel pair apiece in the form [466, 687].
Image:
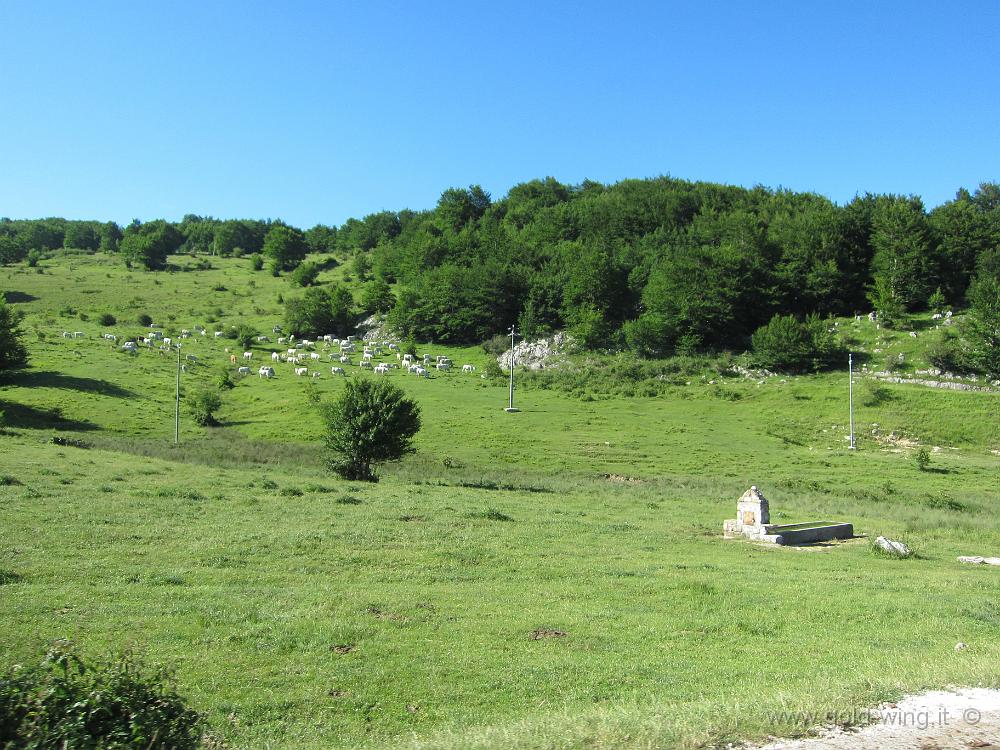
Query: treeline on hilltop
[657, 265]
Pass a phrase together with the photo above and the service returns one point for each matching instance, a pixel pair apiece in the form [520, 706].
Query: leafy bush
[144, 320]
[792, 345]
[496, 345]
[304, 274]
[922, 458]
[245, 335]
[946, 353]
[937, 302]
[67, 703]
[203, 406]
[371, 422]
[256, 261]
[107, 319]
[224, 381]
[32, 258]
[492, 369]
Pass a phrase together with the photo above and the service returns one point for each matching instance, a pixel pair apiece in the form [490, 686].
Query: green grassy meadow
[554, 578]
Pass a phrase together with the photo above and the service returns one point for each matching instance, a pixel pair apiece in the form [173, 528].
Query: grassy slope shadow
[50, 379]
[33, 418]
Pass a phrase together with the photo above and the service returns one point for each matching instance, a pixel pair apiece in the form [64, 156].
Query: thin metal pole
[511, 404]
[850, 375]
[177, 402]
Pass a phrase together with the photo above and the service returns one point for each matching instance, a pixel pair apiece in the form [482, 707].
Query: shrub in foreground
[65, 702]
[371, 422]
[203, 406]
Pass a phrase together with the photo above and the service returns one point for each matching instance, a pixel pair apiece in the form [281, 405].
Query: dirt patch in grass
[543, 633]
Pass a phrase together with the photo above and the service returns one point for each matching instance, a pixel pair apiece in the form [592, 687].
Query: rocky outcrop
[373, 328]
[540, 354]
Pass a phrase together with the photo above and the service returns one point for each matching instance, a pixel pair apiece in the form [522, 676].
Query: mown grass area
[554, 578]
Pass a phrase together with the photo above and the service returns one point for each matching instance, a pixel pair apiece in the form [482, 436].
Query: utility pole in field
[850, 390]
[510, 406]
[177, 401]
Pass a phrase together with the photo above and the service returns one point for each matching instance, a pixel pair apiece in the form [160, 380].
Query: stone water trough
[753, 520]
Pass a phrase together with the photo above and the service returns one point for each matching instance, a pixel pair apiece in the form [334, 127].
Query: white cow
[301, 371]
[382, 369]
[67, 335]
[78, 334]
[248, 355]
[337, 371]
[344, 359]
[275, 357]
[314, 355]
[218, 334]
[243, 371]
[423, 372]
[292, 352]
[365, 364]
[315, 374]
[468, 368]
[263, 338]
[394, 347]
[265, 372]
[444, 366]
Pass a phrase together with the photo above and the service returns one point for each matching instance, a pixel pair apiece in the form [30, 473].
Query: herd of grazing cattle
[380, 357]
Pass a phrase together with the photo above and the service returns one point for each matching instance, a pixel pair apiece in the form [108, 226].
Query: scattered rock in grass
[977, 560]
[621, 478]
[412, 709]
[343, 648]
[337, 693]
[961, 646]
[542, 633]
[892, 547]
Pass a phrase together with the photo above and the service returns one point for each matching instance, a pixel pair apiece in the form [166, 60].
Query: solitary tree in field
[203, 406]
[370, 423]
[13, 354]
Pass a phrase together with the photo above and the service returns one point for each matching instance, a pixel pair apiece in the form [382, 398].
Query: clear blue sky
[314, 112]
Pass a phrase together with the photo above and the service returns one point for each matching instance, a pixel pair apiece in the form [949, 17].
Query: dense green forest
[656, 265]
